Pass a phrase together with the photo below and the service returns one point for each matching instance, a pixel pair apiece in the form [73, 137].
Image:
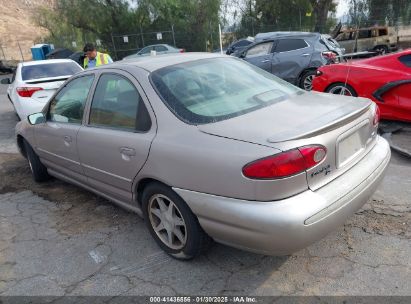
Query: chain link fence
[127, 44]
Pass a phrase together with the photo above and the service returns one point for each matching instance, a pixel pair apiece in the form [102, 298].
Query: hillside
[17, 27]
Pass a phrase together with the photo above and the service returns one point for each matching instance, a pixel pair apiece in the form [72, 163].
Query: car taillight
[329, 56]
[27, 91]
[376, 118]
[285, 164]
[182, 50]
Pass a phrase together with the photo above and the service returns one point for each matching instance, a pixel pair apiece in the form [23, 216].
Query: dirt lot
[57, 239]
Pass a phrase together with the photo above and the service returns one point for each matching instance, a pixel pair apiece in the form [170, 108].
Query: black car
[5, 69]
[239, 45]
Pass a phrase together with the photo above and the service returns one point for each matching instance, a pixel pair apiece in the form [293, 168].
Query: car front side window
[405, 60]
[146, 50]
[260, 49]
[68, 105]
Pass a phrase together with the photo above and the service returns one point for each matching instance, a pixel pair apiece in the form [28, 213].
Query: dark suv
[292, 56]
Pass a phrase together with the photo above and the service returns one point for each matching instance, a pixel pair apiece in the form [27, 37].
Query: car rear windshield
[49, 70]
[211, 90]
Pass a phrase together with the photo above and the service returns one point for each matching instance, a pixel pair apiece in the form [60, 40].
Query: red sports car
[384, 79]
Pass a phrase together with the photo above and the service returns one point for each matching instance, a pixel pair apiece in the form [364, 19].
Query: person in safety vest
[94, 58]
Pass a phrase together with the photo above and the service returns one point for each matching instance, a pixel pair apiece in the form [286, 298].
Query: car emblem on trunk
[326, 169]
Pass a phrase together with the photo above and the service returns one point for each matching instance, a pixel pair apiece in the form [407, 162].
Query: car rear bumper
[284, 226]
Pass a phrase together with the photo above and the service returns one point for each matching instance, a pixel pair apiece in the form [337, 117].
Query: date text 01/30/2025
[203, 299]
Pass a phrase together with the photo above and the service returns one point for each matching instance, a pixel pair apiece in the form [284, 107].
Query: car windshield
[49, 70]
[212, 90]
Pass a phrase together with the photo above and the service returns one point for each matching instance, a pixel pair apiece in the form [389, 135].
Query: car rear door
[161, 49]
[260, 55]
[291, 57]
[56, 138]
[114, 143]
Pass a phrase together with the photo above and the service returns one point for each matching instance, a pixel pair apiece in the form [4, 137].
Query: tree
[195, 21]
[379, 12]
[321, 8]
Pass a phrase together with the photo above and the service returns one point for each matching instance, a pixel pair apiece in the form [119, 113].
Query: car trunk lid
[341, 124]
[298, 117]
[48, 87]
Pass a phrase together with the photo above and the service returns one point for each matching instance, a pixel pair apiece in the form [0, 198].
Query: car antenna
[352, 55]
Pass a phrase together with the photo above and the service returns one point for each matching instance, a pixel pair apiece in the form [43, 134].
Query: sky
[342, 8]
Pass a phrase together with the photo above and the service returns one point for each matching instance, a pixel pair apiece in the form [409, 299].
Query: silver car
[249, 161]
[159, 49]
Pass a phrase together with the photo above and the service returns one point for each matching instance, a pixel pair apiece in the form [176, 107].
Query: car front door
[114, 143]
[291, 57]
[56, 138]
[260, 55]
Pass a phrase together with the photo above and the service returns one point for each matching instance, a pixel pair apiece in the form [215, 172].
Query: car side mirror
[5, 81]
[36, 118]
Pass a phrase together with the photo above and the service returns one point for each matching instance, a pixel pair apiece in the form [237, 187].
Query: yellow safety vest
[101, 58]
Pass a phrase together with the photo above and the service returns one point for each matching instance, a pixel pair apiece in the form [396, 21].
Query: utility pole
[174, 38]
[114, 46]
[141, 33]
[2, 51]
[21, 53]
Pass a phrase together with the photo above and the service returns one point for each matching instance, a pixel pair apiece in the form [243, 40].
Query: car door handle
[68, 139]
[265, 60]
[305, 55]
[127, 151]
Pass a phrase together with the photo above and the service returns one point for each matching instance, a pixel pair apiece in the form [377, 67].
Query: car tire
[306, 80]
[38, 170]
[381, 49]
[176, 230]
[341, 89]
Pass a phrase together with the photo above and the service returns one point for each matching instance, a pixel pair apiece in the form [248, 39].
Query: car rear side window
[160, 48]
[49, 70]
[68, 105]
[118, 105]
[286, 45]
[406, 60]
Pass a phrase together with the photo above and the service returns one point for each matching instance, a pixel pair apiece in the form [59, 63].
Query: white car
[34, 82]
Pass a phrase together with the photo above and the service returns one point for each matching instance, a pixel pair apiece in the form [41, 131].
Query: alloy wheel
[308, 82]
[167, 221]
[340, 90]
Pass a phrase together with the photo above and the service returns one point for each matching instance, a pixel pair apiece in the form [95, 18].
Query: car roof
[152, 63]
[285, 34]
[48, 61]
[157, 45]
